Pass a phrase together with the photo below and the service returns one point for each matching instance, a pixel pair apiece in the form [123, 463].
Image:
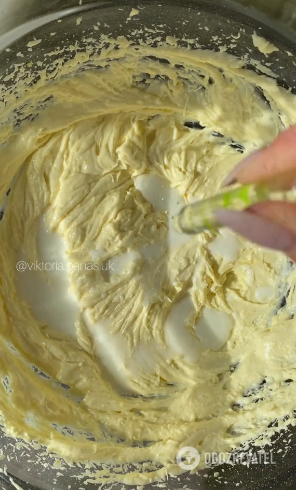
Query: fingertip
[257, 229]
[245, 164]
[277, 161]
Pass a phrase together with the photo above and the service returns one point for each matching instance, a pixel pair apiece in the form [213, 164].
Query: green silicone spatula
[200, 216]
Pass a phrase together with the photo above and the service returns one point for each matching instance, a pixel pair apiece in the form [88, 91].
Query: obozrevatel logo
[188, 458]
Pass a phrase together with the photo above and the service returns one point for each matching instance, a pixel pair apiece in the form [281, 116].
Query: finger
[279, 212]
[258, 229]
[276, 161]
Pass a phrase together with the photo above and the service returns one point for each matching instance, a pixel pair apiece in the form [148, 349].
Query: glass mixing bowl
[28, 467]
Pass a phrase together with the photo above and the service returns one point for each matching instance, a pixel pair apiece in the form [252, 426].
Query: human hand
[271, 224]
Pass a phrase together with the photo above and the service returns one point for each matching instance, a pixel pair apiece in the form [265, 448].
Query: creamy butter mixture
[263, 45]
[167, 340]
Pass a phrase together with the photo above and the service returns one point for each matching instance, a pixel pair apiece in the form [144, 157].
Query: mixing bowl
[195, 19]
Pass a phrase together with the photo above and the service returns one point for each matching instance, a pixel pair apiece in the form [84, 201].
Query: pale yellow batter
[263, 45]
[81, 161]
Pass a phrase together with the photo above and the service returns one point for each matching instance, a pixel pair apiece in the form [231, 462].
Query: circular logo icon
[188, 458]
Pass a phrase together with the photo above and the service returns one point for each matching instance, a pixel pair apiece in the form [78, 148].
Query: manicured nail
[257, 229]
[232, 177]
